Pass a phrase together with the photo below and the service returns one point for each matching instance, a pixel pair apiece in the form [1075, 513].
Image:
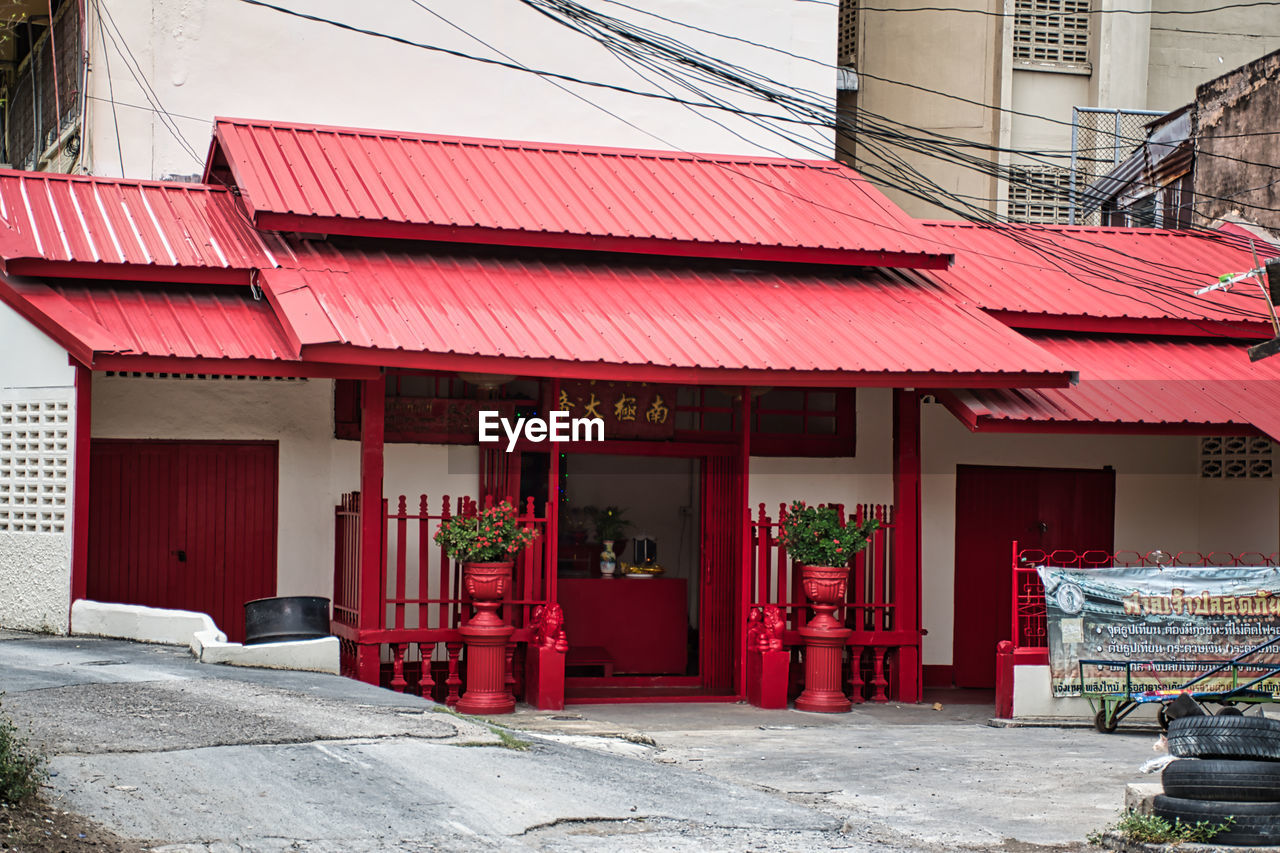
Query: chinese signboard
[432, 419]
[1170, 623]
[629, 410]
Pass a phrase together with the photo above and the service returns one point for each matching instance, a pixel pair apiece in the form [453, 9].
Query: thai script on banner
[1159, 626]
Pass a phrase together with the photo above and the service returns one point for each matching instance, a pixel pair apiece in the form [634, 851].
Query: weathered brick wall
[1237, 144]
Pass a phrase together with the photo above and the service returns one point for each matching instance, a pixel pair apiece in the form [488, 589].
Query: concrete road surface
[194, 757]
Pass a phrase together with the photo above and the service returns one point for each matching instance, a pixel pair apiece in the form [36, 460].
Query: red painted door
[1045, 508]
[185, 525]
[722, 512]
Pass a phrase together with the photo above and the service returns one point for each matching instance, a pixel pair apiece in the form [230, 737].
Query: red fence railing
[422, 603]
[1029, 626]
[871, 601]
[874, 666]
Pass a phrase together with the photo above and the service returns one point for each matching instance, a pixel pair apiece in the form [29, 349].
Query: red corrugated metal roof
[529, 309]
[64, 225]
[1039, 273]
[297, 177]
[1140, 381]
[171, 321]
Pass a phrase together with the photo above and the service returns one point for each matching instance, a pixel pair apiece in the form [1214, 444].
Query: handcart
[1112, 707]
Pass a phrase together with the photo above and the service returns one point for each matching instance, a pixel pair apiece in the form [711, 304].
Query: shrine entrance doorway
[664, 625]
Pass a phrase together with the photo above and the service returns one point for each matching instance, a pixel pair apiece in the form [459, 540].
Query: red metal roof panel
[536, 193]
[596, 310]
[180, 321]
[51, 220]
[1146, 273]
[1131, 381]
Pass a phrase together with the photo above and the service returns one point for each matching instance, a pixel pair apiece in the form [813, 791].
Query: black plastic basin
[289, 617]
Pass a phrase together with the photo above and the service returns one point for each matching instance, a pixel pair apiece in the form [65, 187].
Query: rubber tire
[1100, 722]
[1230, 711]
[1225, 737]
[1253, 824]
[1219, 780]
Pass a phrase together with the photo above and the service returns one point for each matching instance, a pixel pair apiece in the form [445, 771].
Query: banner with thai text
[1167, 624]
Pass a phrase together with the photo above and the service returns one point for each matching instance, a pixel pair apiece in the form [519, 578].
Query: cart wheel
[1102, 724]
[1162, 717]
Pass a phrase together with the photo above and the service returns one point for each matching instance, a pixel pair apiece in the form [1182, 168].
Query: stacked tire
[1229, 767]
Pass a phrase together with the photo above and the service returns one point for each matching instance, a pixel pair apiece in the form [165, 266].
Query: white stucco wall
[866, 477]
[225, 58]
[1161, 501]
[314, 468]
[37, 430]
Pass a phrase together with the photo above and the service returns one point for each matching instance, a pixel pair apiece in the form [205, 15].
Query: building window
[1235, 457]
[784, 421]
[1052, 31]
[41, 84]
[847, 45]
[1040, 194]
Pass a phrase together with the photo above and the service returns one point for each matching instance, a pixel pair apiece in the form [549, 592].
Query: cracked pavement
[194, 758]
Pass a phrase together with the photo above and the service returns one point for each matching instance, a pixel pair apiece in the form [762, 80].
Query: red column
[906, 503]
[372, 521]
[742, 514]
[80, 485]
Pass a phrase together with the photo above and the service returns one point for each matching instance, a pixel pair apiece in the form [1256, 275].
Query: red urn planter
[824, 637]
[486, 636]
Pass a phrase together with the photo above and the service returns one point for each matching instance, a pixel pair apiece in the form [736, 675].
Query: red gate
[188, 525]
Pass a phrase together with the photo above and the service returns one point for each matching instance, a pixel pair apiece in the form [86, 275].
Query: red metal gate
[189, 525]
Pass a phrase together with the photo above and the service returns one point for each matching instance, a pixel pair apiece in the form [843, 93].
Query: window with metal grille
[1235, 457]
[1054, 31]
[1040, 194]
[847, 48]
[784, 421]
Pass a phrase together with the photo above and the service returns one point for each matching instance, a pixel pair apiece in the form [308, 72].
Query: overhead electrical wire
[796, 112]
[111, 87]
[931, 192]
[117, 39]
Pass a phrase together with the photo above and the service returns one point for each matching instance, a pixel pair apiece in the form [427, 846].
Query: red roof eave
[480, 235]
[337, 353]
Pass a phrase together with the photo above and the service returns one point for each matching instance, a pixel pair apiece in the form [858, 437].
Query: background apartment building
[1008, 89]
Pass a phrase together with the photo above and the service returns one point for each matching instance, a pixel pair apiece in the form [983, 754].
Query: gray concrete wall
[1187, 50]
[961, 54]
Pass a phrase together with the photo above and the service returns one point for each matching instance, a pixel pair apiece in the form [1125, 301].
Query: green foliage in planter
[21, 767]
[611, 522]
[814, 536]
[489, 536]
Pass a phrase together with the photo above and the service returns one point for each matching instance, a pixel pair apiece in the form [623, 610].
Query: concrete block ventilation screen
[1235, 457]
[1039, 194]
[34, 455]
[1051, 31]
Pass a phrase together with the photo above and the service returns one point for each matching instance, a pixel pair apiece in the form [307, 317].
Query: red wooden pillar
[906, 501]
[80, 485]
[742, 515]
[544, 664]
[373, 398]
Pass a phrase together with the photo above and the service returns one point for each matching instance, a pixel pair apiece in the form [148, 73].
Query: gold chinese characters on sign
[629, 410]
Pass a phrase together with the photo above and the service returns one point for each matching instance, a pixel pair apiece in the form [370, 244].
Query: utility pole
[1270, 288]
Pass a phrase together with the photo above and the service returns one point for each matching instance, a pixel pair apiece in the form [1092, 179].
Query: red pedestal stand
[824, 639]
[486, 636]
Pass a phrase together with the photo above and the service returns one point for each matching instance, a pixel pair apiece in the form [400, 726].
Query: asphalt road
[194, 757]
